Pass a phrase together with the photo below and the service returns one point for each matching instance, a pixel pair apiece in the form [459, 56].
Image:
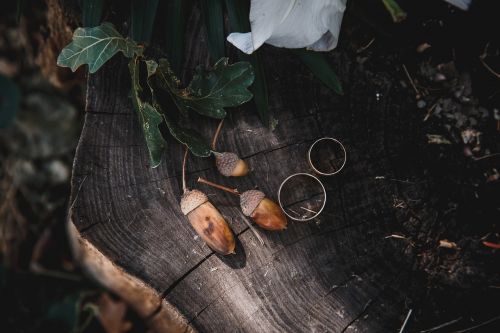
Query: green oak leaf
[166, 79]
[149, 117]
[94, 46]
[151, 67]
[192, 139]
[210, 91]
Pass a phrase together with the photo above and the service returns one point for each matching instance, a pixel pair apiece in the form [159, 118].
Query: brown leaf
[447, 244]
[112, 314]
[492, 245]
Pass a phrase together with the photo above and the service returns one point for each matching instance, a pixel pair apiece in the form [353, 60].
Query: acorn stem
[220, 187]
[184, 186]
[217, 132]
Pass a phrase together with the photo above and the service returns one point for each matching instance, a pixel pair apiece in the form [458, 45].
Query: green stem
[396, 12]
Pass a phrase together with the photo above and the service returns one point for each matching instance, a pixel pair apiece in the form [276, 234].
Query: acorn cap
[191, 199]
[226, 163]
[249, 200]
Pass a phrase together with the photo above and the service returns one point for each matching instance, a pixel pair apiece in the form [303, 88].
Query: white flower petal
[307, 22]
[330, 39]
[265, 17]
[325, 43]
[462, 4]
[292, 24]
[242, 41]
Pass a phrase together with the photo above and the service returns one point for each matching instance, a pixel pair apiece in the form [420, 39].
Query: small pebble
[421, 104]
[439, 77]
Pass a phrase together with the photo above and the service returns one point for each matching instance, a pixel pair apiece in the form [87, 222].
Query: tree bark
[335, 273]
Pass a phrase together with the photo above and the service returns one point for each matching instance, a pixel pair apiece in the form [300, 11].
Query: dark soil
[457, 136]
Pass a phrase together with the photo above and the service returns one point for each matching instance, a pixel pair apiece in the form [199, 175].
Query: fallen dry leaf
[437, 139]
[447, 244]
[492, 245]
[112, 314]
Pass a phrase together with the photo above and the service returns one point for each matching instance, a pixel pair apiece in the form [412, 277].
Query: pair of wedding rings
[335, 144]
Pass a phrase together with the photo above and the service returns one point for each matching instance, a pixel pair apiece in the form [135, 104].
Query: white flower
[462, 4]
[314, 24]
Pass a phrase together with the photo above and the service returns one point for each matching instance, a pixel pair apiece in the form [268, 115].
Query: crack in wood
[174, 284]
[274, 258]
[156, 311]
[270, 150]
[304, 200]
[191, 173]
[362, 312]
[332, 289]
[371, 301]
[88, 227]
[342, 284]
[191, 321]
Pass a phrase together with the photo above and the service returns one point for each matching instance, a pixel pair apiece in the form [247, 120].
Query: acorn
[230, 165]
[207, 222]
[265, 212]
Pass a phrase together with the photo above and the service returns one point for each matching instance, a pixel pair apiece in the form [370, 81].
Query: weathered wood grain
[333, 274]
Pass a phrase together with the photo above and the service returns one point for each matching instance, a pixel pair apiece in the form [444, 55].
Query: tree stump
[335, 273]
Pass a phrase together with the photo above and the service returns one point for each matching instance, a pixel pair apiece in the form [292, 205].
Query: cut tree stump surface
[335, 273]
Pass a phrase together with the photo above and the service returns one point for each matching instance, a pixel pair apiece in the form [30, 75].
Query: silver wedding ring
[336, 142]
[316, 214]
[319, 172]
